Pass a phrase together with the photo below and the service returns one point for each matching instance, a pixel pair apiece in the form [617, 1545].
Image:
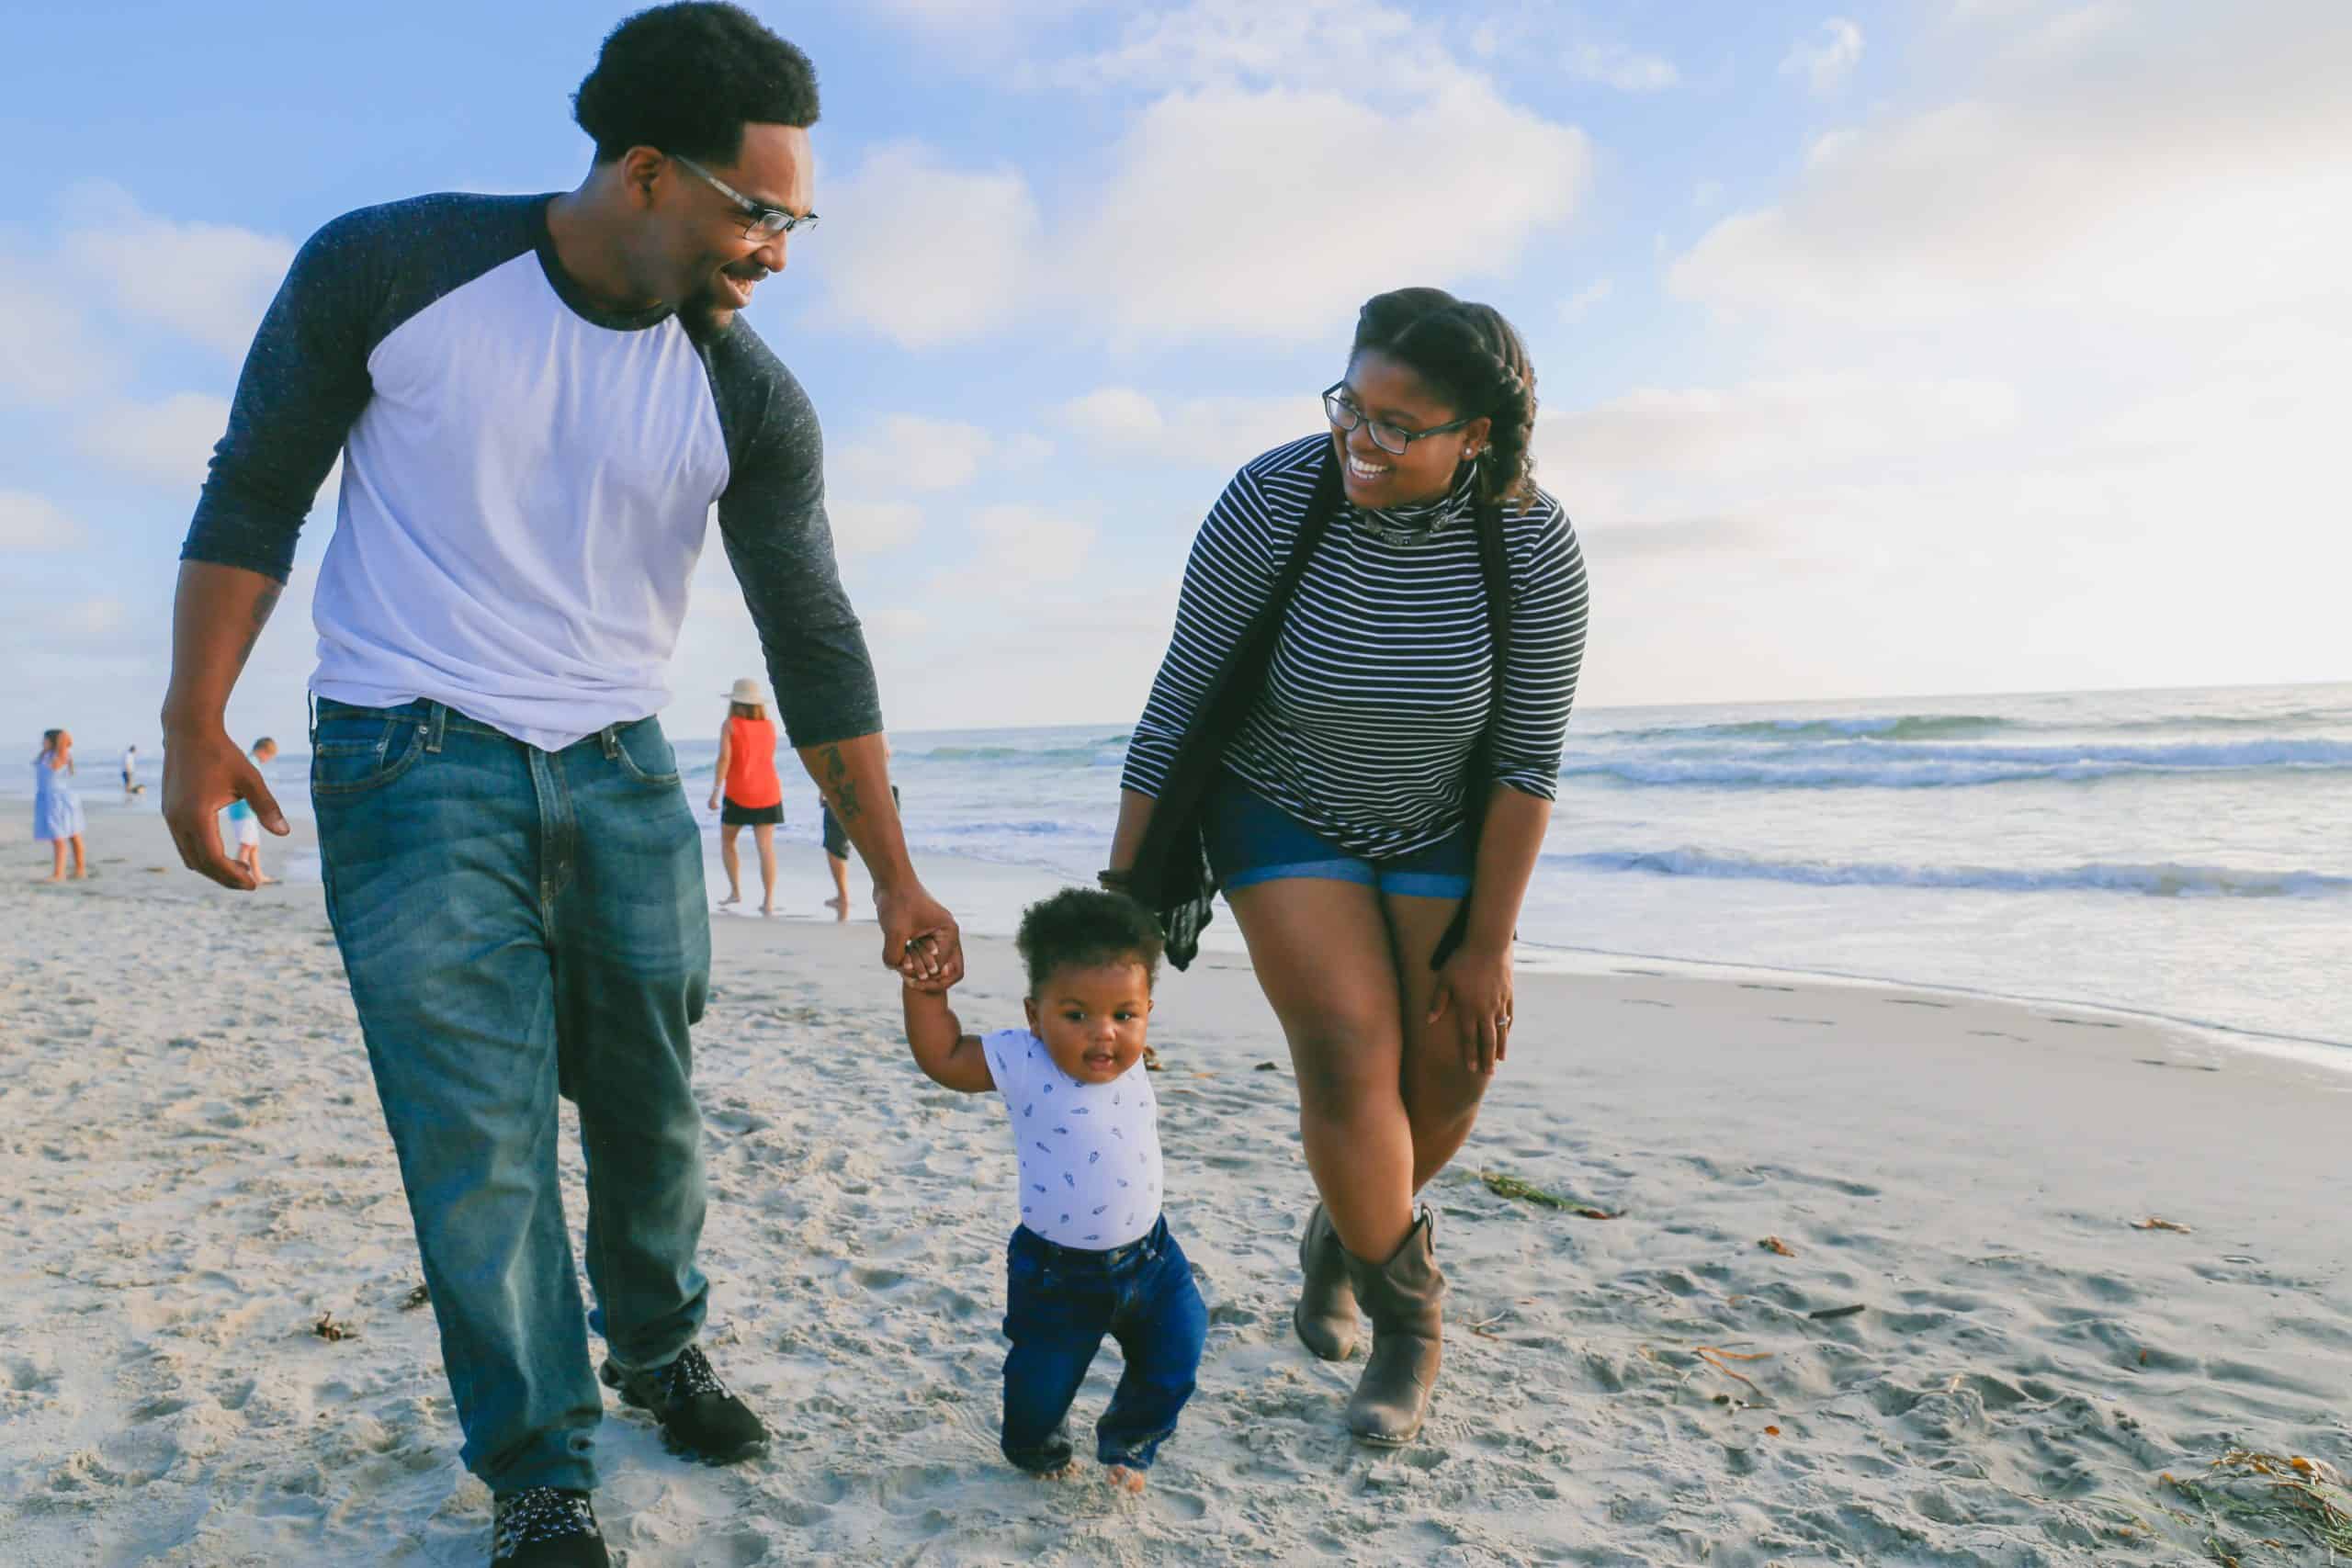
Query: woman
[57, 809]
[1329, 728]
[754, 796]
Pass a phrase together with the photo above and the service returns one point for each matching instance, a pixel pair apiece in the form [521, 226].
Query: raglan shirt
[527, 482]
[1382, 676]
[1089, 1152]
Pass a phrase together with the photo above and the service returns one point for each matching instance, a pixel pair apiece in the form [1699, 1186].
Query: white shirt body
[524, 500]
[1089, 1152]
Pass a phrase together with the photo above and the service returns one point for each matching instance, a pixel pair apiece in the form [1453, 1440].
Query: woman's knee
[1344, 1065]
[1440, 1090]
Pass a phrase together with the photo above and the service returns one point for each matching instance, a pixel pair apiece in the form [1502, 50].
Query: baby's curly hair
[1081, 927]
[686, 78]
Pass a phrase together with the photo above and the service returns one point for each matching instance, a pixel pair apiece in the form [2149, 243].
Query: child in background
[1092, 1255]
[245, 825]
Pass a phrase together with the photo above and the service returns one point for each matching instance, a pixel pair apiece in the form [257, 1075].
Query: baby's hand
[907, 981]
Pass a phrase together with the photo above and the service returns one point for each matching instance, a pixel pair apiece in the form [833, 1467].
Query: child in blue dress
[57, 807]
[1092, 1255]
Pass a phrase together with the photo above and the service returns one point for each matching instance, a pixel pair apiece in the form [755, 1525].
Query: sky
[1954, 346]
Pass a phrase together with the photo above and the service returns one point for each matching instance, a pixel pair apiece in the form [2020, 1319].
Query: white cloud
[168, 443]
[1218, 431]
[1616, 66]
[209, 281]
[1022, 545]
[872, 527]
[101, 616]
[912, 452]
[30, 522]
[926, 253]
[1240, 210]
[1826, 62]
[1233, 201]
[1301, 42]
[1795, 425]
[48, 356]
[1576, 307]
[2196, 177]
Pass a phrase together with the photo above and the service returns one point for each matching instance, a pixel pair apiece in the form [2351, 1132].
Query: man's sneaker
[547, 1527]
[700, 1418]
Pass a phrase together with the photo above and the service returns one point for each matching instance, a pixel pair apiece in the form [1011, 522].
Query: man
[538, 399]
[131, 769]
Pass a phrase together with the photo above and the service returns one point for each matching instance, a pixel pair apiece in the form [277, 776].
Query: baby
[1092, 1255]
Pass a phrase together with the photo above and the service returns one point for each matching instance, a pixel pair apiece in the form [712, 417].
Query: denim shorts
[1251, 839]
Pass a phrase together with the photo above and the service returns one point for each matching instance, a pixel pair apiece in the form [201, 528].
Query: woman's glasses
[1390, 438]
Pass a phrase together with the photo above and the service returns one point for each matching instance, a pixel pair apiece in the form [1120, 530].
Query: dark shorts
[1251, 839]
[735, 816]
[837, 841]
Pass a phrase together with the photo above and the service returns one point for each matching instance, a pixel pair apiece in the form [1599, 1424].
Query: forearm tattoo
[841, 786]
[263, 605]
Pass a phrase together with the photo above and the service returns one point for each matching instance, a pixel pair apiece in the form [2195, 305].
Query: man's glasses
[761, 221]
[1390, 438]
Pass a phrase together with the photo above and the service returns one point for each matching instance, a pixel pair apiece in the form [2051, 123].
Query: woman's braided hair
[1473, 359]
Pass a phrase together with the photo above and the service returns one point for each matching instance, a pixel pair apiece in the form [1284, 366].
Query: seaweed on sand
[2270, 1497]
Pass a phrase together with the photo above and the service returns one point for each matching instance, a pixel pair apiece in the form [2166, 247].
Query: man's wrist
[177, 719]
[895, 882]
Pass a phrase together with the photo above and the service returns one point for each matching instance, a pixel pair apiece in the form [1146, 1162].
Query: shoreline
[193, 1170]
[800, 866]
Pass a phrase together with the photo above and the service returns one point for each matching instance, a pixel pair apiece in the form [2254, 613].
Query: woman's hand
[1475, 986]
[713, 800]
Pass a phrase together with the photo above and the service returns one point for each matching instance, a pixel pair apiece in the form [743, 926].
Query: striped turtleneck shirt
[1380, 682]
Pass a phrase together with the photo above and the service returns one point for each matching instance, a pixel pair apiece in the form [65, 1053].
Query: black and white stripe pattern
[1379, 683]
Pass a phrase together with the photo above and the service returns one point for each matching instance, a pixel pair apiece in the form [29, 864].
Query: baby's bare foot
[1120, 1479]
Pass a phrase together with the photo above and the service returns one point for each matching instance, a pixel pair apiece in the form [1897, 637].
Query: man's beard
[707, 314]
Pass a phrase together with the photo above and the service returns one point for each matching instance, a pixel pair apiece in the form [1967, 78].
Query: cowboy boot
[1326, 1314]
[1401, 1297]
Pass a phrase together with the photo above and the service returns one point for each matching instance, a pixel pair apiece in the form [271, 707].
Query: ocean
[2187, 853]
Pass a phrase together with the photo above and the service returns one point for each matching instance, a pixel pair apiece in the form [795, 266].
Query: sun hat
[747, 691]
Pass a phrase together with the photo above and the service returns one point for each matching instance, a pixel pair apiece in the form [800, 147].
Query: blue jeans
[519, 924]
[1060, 1303]
[1251, 840]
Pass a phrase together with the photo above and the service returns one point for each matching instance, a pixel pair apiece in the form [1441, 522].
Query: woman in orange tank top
[754, 796]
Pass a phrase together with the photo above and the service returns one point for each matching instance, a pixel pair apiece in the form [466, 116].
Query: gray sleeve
[305, 378]
[772, 520]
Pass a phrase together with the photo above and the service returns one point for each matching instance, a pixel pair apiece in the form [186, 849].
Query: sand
[194, 1175]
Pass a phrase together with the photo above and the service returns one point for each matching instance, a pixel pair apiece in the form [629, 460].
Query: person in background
[745, 792]
[57, 809]
[837, 848]
[131, 784]
[244, 824]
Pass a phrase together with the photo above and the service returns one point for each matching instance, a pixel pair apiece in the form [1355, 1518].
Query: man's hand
[203, 771]
[920, 938]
